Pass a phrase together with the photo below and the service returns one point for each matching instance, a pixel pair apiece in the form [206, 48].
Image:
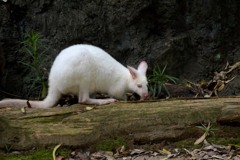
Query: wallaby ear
[142, 67]
[132, 71]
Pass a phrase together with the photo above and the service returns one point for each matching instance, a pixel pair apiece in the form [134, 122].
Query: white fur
[84, 70]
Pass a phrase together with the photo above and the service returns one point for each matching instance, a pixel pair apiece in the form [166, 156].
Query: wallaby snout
[144, 96]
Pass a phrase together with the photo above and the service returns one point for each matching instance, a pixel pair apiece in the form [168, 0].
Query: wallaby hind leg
[85, 99]
[100, 101]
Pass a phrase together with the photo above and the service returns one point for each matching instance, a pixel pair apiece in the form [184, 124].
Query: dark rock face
[2, 62]
[195, 38]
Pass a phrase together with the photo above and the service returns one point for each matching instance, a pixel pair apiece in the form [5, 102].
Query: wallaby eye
[139, 85]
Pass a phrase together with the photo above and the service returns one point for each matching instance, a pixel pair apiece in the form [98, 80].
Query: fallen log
[140, 122]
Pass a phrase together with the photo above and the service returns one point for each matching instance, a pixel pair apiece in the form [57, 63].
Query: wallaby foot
[99, 101]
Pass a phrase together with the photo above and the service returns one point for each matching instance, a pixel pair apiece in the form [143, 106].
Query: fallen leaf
[201, 139]
[189, 152]
[122, 149]
[54, 151]
[137, 151]
[23, 110]
[89, 108]
[164, 151]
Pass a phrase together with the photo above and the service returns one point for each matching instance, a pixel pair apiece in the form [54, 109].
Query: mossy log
[139, 122]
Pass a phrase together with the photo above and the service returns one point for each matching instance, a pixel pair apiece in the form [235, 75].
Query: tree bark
[139, 122]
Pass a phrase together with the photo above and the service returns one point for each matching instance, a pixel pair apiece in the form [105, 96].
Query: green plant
[157, 81]
[207, 130]
[33, 49]
[8, 148]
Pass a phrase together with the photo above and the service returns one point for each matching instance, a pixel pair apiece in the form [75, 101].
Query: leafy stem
[33, 48]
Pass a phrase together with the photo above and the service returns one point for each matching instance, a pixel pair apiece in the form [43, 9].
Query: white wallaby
[84, 70]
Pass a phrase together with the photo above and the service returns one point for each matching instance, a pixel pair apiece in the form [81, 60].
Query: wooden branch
[144, 122]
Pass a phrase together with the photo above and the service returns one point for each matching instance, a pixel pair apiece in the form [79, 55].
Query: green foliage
[207, 129]
[33, 50]
[157, 81]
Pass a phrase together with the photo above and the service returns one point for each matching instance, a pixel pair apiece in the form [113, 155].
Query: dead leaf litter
[206, 152]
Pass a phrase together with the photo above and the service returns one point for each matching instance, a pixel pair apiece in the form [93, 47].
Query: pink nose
[145, 95]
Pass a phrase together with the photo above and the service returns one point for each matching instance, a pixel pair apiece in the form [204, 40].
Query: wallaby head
[138, 81]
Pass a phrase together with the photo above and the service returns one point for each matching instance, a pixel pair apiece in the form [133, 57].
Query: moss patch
[40, 154]
[187, 143]
[111, 144]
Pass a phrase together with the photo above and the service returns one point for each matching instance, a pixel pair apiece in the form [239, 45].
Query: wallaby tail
[48, 102]
[13, 103]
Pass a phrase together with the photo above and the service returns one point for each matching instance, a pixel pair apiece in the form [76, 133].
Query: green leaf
[55, 150]
[168, 93]
[26, 64]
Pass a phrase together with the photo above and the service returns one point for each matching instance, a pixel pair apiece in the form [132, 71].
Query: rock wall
[2, 62]
[195, 38]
